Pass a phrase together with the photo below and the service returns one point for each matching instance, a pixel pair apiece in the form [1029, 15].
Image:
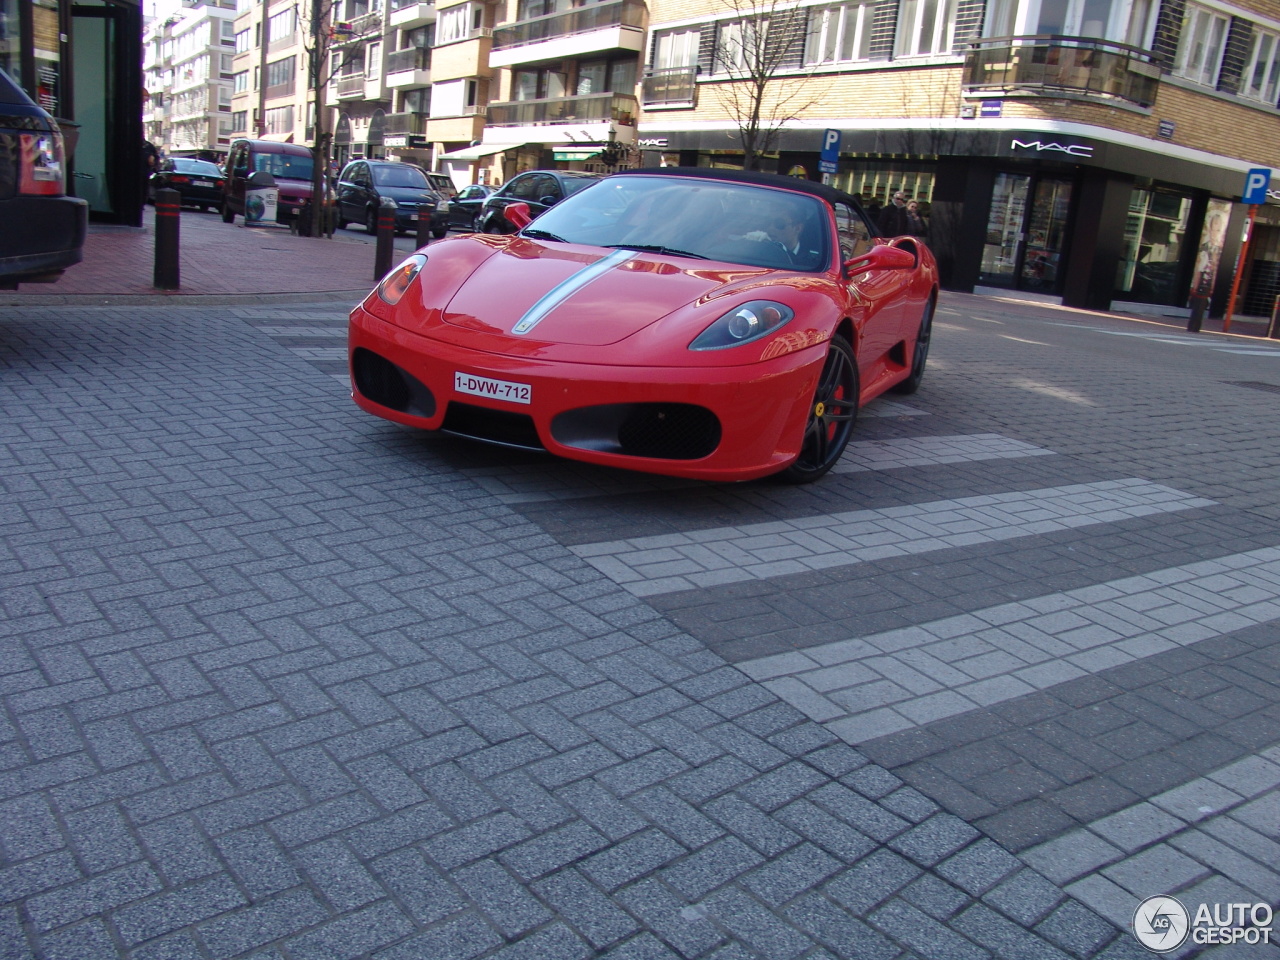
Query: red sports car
[699, 323]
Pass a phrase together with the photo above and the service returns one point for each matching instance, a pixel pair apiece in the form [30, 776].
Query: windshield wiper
[537, 234]
[655, 248]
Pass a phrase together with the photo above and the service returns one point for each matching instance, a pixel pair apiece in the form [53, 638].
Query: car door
[879, 293]
[544, 190]
[237, 173]
[346, 187]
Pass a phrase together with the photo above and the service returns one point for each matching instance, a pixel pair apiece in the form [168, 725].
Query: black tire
[438, 230]
[228, 216]
[204, 208]
[371, 222]
[920, 354]
[831, 415]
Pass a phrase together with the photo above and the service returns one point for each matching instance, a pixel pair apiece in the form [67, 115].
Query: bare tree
[755, 48]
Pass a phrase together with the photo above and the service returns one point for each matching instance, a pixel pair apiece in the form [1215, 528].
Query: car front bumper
[579, 411]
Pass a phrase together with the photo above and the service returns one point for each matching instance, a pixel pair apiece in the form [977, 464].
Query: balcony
[411, 123]
[409, 68]
[540, 120]
[367, 25]
[407, 14]
[670, 87]
[614, 25]
[350, 88]
[1054, 66]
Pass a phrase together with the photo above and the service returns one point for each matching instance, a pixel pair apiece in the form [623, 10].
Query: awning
[476, 152]
[277, 137]
[574, 153]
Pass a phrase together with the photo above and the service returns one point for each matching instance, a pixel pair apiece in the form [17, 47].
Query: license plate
[203, 183]
[412, 217]
[494, 389]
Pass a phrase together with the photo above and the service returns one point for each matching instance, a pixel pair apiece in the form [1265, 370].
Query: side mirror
[881, 257]
[518, 215]
[548, 200]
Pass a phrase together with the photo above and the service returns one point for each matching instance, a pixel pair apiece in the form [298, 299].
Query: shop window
[1204, 35]
[1262, 75]
[925, 27]
[1154, 239]
[839, 34]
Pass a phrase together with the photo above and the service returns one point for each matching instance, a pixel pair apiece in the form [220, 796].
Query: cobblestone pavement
[281, 680]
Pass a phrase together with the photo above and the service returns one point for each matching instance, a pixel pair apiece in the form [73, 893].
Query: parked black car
[363, 183]
[199, 183]
[41, 229]
[540, 189]
[463, 209]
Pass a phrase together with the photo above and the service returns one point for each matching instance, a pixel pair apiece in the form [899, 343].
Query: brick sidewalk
[216, 259]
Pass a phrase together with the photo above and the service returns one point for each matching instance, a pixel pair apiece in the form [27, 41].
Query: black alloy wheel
[920, 355]
[831, 415]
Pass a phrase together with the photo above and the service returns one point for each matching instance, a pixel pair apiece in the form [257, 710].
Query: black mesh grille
[496, 426]
[380, 380]
[670, 431]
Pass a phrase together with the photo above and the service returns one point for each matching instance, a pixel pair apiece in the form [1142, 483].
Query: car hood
[580, 295]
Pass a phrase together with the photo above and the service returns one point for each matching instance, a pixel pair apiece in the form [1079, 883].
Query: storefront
[1075, 214]
[82, 62]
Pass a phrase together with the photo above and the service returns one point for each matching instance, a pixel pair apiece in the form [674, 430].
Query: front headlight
[395, 283]
[751, 321]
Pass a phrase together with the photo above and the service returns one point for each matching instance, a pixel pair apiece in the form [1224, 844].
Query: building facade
[270, 95]
[1089, 152]
[188, 64]
[82, 62]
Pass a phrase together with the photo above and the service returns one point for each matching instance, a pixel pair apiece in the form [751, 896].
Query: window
[281, 26]
[676, 49]
[458, 23]
[224, 65]
[839, 33]
[1125, 21]
[228, 31]
[537, 84]
[604, 76]
[280, 72]
[240, 121]
[224, 98]
[420, 37]
[240, 81]
[925, 27]
[855, 235]
[279, 120]
[1204, 34]
[740, 45]
[1262, 74]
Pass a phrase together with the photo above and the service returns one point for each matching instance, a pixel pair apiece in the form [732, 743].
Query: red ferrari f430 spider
[700, 323]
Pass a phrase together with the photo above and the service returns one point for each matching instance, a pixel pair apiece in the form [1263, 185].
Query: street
[286, 680]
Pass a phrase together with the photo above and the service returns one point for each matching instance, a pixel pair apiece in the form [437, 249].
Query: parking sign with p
[1256, 182]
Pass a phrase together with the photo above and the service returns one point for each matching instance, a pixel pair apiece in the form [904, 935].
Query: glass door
[1000, 253]
[1046, 235]
[1026, 232]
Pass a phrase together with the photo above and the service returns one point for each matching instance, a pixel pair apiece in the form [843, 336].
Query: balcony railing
[595, 108]
[350, 86]
[414, 58]
[598, 16]
[669, 85]
[401, 4]
[367, 24]
[413, 123]
[1056, 65]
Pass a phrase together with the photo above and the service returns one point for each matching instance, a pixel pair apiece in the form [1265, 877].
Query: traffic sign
[830, 156]
[1256, 182]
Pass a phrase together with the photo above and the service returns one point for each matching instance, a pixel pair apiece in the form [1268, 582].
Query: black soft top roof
[821, 190]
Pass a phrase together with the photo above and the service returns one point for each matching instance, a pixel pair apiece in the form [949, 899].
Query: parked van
[291, 165]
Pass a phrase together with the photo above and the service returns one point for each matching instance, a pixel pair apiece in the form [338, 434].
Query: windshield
[733, 222]
[201, 168]
[288, 166]
[400, 175]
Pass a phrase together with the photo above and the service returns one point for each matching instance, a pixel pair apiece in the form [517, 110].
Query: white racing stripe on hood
[566, 288]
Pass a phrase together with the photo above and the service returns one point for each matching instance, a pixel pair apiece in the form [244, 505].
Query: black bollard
[424, 223]
[386, 245]
[1199, 306]
[168, 208]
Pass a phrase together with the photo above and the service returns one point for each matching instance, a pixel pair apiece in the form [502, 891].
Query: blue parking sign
[1256, 182]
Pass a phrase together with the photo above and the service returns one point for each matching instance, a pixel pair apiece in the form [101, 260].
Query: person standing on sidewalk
[893, 218]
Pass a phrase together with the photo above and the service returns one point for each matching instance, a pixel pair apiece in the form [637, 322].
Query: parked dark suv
[364, 183]
[538, 188]
[41, 229]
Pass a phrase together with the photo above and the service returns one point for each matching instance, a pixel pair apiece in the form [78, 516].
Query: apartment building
[188, 53]
[563, 83]
[270, 96]
[1089, 152]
